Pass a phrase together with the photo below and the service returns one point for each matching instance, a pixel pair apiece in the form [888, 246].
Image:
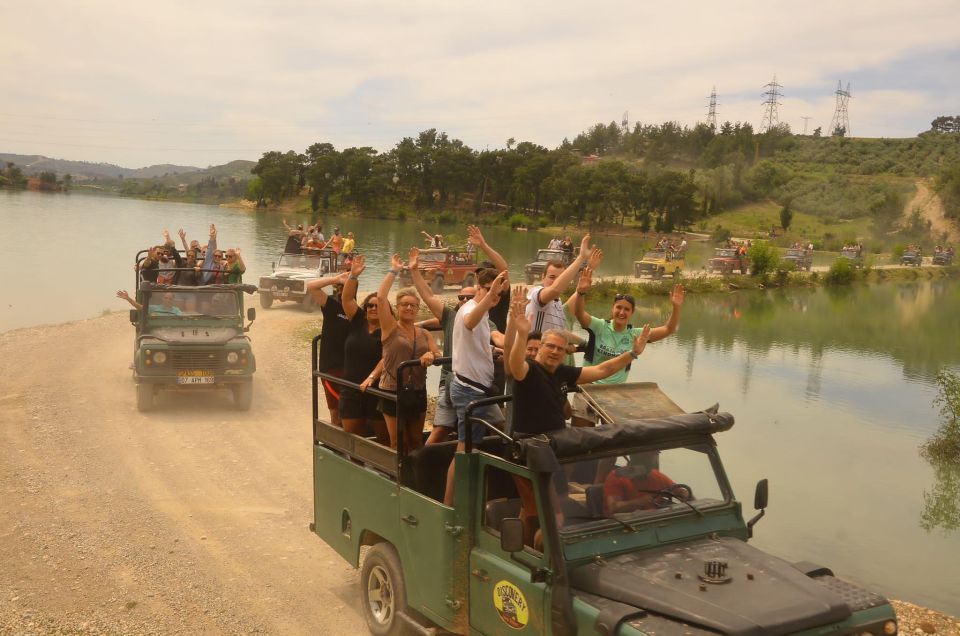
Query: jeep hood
[190, 334]
[763, 596]
[298, 274]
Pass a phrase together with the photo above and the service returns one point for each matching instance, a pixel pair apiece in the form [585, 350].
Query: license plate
[281, 294]
[195, 377]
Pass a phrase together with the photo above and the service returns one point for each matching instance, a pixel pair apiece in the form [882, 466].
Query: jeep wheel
[144, 397]
[384, 593]
[677, 273]
[470, 280]
[436, 285]
[308, 304]
[530, 279]
[243, 396]
[658, 274]
[266, 300]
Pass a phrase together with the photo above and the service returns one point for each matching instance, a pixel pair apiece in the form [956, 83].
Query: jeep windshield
[432, 257]
[795, 253]
[654, 255]
[311, 262]
[191, 304]
[632, 488]
[725, 253]
[549, 255]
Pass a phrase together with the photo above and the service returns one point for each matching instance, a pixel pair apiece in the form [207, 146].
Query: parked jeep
[192, 339]
[944, 257]
[801, 258]
[659, 263]
[727, 260]
[912, 257]
[534, 271]
[441, 267]
[671, 559]
[852, 254]
[291, 273]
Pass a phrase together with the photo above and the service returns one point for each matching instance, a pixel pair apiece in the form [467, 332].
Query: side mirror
[134, 316]
[251, 314]
[760, 496]
[759, 503]
[511, 535]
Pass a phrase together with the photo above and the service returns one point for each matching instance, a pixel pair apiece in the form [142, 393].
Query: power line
[771, 119]
[712, 111]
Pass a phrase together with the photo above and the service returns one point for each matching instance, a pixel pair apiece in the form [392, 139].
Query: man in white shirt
[544, 308]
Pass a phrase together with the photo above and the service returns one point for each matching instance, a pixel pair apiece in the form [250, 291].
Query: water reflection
[941, 504]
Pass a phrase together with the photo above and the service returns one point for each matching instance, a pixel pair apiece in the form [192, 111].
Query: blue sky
[201, 83]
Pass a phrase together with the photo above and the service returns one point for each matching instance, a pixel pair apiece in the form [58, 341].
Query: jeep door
[503, 599]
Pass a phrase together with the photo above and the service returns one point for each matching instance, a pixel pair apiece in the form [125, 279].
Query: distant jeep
[659, 263]
[534, 271]
[290, 276]
[727, 260]
[852, 254]
[943, 258]
[801, 258]
[442, 267]
[912, 257]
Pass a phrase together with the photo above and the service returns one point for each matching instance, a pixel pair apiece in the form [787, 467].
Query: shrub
[763, 258]
[519, 220]
[945, 443]
[446, 218]
[841, 272]
[720, 234]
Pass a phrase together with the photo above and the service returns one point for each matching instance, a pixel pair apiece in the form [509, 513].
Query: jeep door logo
[511, 604]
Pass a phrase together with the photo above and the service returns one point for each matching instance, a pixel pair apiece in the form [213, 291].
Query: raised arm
[519, 296]
[611, 366]
[208, 259]
[243, 266]
[315, 287]
[491, 298]
[475, 237]
[387, 322]
[432, 301]
[669, 327]
[123, 294]
[579, 298]
[349, 297]
[183, 239]
[551, 293]
[517, 361]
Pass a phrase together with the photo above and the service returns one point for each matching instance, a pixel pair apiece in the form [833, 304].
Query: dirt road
[931, 209]
[192, 518]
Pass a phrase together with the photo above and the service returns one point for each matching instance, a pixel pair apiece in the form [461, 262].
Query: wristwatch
[634, 354]
[353, 277]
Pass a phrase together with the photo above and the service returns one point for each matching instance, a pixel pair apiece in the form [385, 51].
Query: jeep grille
[199, 360]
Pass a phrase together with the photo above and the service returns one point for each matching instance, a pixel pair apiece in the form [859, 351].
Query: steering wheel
[662, 498]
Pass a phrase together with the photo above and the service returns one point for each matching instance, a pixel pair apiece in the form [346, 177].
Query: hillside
[84, 170]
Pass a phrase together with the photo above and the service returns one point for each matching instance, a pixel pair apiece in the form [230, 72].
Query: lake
[832, 389]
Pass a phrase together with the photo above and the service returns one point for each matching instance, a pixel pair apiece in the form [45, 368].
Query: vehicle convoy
[192, 339]
[912, 257]
[441, 267]
[727, 260]
[852, 254]
[539, 540]
[944, 257]
[534, 271]
[659, 263]
[801, 258]
[291, 273]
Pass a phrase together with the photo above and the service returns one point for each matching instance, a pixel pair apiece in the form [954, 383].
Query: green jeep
[192, 339]
[544, 539]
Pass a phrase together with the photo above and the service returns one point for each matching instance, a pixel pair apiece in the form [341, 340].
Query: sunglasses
[217, 255]
[408, 305]
[370, 306]
[626, 297]
[464, 297]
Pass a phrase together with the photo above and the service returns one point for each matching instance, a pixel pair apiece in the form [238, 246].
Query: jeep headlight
[159, 357]
[890, 627]
[232, 357]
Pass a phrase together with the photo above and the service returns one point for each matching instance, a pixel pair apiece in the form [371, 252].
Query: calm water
[832, 390]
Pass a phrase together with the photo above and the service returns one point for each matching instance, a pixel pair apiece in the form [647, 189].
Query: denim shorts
[462, 395]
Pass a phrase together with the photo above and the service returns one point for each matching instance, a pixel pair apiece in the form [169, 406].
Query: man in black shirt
[541, 383]
[336, 327]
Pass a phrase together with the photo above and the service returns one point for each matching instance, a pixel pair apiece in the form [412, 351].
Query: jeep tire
[436, 285]
[144, 397]
[383, 592]
[530, 279]
[243, 396]
[266, 300]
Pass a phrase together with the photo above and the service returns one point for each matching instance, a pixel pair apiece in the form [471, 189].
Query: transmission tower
[712, 112]
[625, 122]
[806, 120]
[770, 117]
[840, 124]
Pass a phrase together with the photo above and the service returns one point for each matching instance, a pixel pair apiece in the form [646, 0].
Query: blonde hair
[407, 291]
[555, 332]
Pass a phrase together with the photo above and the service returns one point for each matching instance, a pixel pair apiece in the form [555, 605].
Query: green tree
[786, 216]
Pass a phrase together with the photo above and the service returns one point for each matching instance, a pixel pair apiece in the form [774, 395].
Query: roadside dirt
[931, 209]
[192, 518]
[189, 519]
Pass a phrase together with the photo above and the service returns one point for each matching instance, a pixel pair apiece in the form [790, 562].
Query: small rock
[928, 627]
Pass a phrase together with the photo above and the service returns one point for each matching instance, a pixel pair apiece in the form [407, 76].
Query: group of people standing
[499, 340]
[312, 240]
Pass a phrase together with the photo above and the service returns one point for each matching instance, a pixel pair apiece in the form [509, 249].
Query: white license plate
[195, 377]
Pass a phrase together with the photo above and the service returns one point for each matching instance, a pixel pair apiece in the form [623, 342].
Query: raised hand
[518, 309]
[585, 245]
[166, 234]
[499, 283]
[396, 263]
[359, 264]
[182, 234]
[414, 257]
[640, 342]
[677, 295]
[213, 231]
[122, 293]
[475, 236]
[586, 280]
[596, 257]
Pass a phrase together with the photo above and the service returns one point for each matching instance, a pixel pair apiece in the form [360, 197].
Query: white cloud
[204, 82]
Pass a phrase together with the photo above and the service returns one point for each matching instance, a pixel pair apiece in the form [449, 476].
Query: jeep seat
[428, 465]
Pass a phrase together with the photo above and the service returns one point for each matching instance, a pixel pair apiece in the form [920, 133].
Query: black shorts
[414, 403]
[357, 405]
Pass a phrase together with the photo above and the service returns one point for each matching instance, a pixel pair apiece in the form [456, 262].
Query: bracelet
[394, 271]
[634, 354]
[353, 277]
[582, 293]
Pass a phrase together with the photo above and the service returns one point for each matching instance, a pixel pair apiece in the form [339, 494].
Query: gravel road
[192, 518]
